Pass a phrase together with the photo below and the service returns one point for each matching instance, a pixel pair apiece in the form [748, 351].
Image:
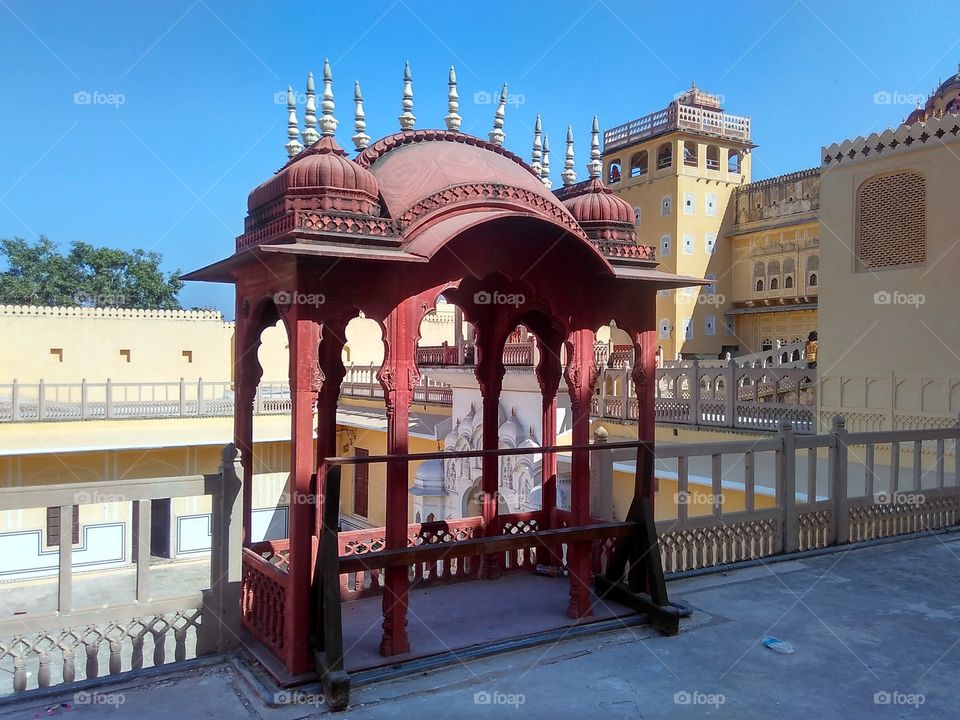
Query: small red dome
[597, 204]
[323, 171]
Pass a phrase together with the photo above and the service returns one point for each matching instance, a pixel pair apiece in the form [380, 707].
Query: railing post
[787, 485]
[730, 409]
[695, 393]
[258, 400]
[199, 397]
[839, 481]
[15, 400]
[108, 402]
[220, 627]
[602, 500]
[84, 404]
[42, 401]
[183, 397]
[625, 400]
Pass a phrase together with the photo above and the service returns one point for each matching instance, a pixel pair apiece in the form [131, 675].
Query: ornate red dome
[597, 204]
[325, 173]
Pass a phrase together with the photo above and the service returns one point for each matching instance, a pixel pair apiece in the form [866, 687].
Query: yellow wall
[882, 351]
[647, 193]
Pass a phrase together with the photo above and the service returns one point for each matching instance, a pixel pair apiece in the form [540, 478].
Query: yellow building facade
[679, 169]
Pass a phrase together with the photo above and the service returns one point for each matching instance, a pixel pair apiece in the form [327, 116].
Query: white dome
[511, 432]
[429, 479]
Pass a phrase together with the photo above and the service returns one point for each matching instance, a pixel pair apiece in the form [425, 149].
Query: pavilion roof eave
[663, 280]
[223, 270]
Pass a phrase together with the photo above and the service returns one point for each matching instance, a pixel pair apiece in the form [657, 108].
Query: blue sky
[169, 167]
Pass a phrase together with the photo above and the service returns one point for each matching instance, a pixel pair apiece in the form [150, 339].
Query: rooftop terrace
[874, 631]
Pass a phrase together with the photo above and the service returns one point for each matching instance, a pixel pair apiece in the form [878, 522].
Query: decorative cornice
[936, 130]
[470, 192]
[318, 221]
[107, 312]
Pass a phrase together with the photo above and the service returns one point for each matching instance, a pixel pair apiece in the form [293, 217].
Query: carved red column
[304, 381]
[580, 375]
[489, 373]
[331, 375]
[644, 375]
[549, 373]
[246, 377]
[398, 377]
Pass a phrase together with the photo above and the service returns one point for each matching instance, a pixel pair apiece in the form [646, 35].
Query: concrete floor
[467, 614]
[876, 634]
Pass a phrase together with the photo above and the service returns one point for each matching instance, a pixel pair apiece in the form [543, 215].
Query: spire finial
[293, 145]
[595, 166]
[328, 123]
[407, 118]
[453, 118]
[310, 135]
[569, 173]
[537, 154]
[497, 135]
[545, 174]
[360, 139]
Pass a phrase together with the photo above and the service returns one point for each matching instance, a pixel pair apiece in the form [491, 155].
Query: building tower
[679, 167]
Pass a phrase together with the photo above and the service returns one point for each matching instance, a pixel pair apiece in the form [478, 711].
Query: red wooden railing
[263, 587]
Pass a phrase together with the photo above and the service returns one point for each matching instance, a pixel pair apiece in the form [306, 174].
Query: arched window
[664, 329]
[774, 283]
[664, 245]
[636, 216]
[664, 156]
[713, 157]
[733, 162]
[689, 203]
[760, 285]
[773, 270]
[690, 153]
[892, 220]
[789, 268]
[638, 164]
[711, 205]
[812, 282]
[788, 282]
[665, 204]
[613, 172]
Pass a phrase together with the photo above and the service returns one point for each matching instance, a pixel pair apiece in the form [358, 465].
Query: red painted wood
[304, 381]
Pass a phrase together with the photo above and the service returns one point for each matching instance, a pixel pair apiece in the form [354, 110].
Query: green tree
[40, 274]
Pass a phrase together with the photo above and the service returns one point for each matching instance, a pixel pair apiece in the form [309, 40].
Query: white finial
[360, 139]
[328, 123]
[595, 166]
[537, 155]
[497, 135]
[407, 118]
[453, 118]
[569, 174]
[310, 135]
[545, 174]
[293, 145]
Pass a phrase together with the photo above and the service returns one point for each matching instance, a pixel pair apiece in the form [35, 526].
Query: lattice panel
[815, 529]
[691, 548]
[52, 657]
[892, 221]
[868, 522]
